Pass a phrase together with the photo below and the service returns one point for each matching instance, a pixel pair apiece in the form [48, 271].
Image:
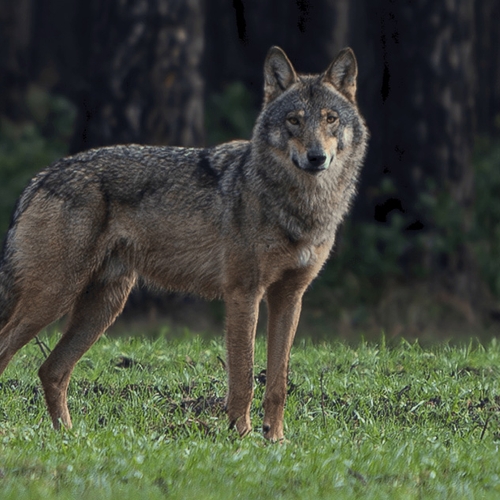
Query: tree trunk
[417, 88]
[15, 40]
[145, 84]
[487, 56]
[239, 34]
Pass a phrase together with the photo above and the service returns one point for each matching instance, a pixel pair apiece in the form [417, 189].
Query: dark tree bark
[132, 68]
[144, 82]
[44, 46]
[15, 57]
[487, 54]
[239, 34]
[418, 94]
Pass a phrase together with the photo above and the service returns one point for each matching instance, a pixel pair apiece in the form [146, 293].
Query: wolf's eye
[293, 121]
[331, 118]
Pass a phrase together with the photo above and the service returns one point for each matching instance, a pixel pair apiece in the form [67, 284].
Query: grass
[370, 422]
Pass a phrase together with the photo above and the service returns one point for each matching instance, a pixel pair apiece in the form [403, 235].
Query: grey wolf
[246, 221]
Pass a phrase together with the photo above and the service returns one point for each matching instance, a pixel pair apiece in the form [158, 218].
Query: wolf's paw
[242, 425]
[273, 433]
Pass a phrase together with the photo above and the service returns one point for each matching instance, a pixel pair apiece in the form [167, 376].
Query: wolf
[245, 221]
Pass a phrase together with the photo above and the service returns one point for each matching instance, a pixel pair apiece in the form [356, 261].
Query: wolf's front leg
[241, 322]
[284, 301]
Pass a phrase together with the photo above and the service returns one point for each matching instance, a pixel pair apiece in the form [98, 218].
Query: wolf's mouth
[309, 168]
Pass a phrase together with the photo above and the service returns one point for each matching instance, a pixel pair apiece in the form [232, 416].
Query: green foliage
[230, 114]
[486, 229]
[371, 422]
[370, 254]
[27, 147]
[373, 249]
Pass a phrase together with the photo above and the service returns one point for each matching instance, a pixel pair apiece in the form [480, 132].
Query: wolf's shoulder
[228, 153]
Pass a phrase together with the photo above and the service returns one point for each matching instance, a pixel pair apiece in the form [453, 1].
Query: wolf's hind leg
[31, 315]
[94, 311]
[13, 337]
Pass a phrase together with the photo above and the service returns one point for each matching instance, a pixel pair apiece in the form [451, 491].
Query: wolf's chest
[278, 258]
[305, 256]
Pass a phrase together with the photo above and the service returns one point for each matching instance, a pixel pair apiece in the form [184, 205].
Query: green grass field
[368, 422]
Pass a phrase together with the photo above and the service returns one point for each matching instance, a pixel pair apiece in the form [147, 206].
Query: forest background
[419, 256]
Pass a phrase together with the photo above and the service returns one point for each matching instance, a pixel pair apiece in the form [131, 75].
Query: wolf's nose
[316, 158]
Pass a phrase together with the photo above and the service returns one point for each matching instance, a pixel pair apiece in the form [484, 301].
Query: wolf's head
[310, 122]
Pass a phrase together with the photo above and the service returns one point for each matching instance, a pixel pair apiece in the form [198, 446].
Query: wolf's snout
[316, 160]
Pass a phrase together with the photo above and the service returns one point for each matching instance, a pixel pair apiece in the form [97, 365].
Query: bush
[486, 229]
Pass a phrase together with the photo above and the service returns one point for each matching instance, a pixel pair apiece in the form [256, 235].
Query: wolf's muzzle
[315, 162]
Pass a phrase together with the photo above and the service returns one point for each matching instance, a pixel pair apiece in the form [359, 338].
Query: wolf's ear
[342, 73]
[278, 74]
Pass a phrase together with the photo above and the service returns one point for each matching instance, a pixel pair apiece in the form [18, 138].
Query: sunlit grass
[370, 421]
